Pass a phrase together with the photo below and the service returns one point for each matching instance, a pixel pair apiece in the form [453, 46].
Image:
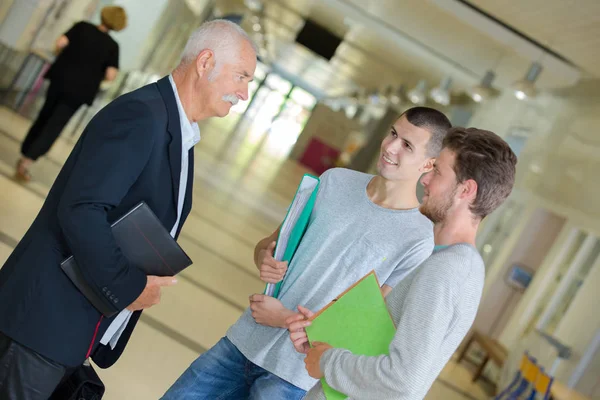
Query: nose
[393, 147]
[390, 148]
[243, 94]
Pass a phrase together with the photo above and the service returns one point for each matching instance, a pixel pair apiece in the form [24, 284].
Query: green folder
[358, 320]
[294, 225]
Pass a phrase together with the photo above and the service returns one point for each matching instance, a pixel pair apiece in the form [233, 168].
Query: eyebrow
[406, 140]
[247, 75]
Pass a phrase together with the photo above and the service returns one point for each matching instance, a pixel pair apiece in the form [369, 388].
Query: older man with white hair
[138, 148]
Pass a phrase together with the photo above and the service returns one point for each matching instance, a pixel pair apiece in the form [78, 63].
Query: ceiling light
[484, 90]
[418, 95]
[395, 97]
[362, 96]
[359, 112]
[254, 5]
[535, 168]
[441, 94]
[374, 98]
[386, 95]
[525, 88]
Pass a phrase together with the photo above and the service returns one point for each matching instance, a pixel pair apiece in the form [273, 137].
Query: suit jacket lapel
[174, 129]
[189, 192]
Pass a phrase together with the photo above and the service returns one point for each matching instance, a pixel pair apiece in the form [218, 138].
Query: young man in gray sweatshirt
[433, 307]
[359, 222]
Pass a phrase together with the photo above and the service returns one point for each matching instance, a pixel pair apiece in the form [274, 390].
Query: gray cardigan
[433, 309]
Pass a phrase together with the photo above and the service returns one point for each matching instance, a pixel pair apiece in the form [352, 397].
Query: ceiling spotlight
[374, 97]
[395, 97]
[254, 5]
[418, 95]
[441, 94]
[484, 90]
[525, 88]
[359, 112]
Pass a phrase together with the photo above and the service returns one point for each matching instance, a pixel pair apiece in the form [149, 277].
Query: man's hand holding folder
[273, 253]
[291, 231]
[296, 325]
[267, 310]
[271, 270]
[152, 292]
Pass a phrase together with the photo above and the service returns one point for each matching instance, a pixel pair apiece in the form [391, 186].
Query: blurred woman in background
[86, 55]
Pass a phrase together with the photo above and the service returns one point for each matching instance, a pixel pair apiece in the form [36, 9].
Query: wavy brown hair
[487, 159]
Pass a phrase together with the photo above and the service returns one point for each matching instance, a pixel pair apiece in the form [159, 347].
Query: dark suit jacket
[129, 152]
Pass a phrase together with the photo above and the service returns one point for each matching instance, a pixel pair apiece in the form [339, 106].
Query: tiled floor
[240, 196]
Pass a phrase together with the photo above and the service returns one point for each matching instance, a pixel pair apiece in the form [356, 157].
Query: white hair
[222, 37]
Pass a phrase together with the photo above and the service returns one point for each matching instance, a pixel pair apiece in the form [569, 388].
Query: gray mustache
[231, 98]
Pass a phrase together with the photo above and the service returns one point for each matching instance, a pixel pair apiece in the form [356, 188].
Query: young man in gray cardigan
[434, 307]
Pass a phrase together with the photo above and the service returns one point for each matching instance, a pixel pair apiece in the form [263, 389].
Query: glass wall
[584, 254]
[497, 229]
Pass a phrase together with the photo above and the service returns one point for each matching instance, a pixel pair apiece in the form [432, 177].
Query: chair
[530, 379]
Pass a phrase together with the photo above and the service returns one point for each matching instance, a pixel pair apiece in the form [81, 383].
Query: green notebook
[358, 320]
[294, 225]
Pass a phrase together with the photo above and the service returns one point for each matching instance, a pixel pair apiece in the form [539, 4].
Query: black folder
[145, 242]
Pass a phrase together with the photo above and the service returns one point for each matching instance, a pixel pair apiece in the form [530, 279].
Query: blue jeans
[223, 372]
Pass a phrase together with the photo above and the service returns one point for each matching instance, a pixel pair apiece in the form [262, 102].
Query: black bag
[83, 384]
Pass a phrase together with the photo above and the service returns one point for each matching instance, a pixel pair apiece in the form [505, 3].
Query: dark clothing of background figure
[75, 79]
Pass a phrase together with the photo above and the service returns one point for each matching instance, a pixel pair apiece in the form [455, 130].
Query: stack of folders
[294, 225]
[357, 320]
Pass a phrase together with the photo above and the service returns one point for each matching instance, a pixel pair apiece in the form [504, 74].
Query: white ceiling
[393, 42]
[569, 27]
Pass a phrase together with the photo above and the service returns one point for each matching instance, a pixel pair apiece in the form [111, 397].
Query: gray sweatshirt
[433, 309]
[347, 237]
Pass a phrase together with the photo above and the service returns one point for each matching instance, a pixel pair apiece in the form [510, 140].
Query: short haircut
[433, 121]
[222, 37]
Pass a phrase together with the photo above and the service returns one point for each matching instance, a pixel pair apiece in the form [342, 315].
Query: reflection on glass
[503, 226]
[276, 117]
[584, 270]
[279, 84]
[351, 110]
[551, 288]
[303, 98]
[285, 130]
[266, 107]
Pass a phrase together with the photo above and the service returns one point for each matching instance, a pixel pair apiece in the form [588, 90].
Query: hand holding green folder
[294, 225]
[358, 320]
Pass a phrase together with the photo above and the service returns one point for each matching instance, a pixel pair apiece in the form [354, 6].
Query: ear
[468, 190]
[205, 62]
[427, 166]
